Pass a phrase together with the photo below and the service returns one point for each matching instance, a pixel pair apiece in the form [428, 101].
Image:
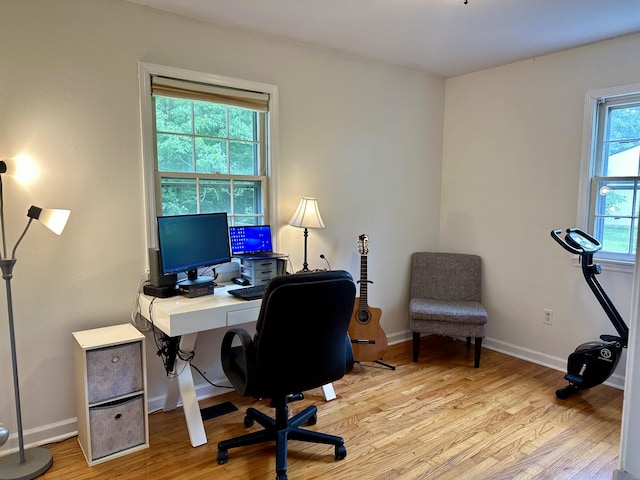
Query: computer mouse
[240, 281]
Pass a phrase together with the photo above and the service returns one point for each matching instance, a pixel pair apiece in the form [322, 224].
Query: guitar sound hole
[363, 316]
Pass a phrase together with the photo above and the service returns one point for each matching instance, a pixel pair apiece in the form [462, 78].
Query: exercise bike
[592, 362]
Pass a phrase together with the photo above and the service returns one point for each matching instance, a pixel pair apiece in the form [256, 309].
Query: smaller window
[614, 181]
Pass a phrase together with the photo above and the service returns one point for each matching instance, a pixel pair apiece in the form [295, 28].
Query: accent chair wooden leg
[478, 347]
[468, 342]
[416, 345]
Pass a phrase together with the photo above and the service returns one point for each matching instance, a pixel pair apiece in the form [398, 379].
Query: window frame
[590, 159]
[150, 194]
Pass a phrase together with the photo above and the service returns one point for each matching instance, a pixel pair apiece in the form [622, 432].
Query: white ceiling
[442, 37]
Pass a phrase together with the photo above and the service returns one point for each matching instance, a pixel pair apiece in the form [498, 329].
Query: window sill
[609, 265]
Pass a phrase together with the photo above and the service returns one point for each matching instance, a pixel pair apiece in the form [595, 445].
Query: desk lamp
[34, 462]
[307, 216]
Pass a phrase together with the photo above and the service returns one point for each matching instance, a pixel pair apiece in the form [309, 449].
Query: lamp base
[37, 461]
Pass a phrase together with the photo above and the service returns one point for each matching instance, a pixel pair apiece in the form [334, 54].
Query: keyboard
[248, 293]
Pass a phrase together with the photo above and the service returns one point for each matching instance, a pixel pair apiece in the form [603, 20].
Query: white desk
[186, 317]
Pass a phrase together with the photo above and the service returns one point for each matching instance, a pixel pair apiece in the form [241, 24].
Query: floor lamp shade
[54, 219]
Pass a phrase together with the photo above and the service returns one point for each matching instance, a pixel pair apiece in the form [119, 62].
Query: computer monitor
[188, 242]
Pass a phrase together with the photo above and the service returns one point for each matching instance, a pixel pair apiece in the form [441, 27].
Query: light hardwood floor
[437, 419]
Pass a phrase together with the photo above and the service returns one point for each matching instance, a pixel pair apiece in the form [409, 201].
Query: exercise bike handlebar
[581, 243]
[576, 241]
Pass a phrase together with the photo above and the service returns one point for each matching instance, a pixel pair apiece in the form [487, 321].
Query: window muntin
[615, 165]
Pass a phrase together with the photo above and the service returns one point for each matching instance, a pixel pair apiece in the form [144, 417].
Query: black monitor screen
[187, 242]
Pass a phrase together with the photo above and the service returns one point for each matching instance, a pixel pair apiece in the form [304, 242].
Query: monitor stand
[194, 279]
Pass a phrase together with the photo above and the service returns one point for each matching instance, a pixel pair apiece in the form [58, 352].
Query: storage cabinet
[111, 393]
[260, 271]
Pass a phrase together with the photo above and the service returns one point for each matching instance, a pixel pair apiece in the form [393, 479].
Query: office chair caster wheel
[313, 419]
[341, 452]
[248, 421]
[222, 457]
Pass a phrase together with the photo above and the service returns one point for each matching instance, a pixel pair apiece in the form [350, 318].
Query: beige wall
[363, 137]
[511, 166]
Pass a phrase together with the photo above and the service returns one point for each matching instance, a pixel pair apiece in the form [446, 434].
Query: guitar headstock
[363, 244]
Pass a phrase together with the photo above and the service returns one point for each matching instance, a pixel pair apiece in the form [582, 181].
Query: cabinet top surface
[105, 336]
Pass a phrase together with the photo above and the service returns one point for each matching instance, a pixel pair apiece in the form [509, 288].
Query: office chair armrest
[238, 362]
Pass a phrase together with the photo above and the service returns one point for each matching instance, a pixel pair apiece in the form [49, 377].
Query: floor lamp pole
[36, 461]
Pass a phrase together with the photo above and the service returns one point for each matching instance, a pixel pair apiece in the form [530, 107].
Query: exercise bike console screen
[188, 242]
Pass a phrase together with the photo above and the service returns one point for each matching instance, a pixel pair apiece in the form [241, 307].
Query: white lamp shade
[55, 220]
[307, 214]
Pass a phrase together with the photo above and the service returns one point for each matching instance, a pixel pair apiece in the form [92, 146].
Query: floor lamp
[32, 463]
[306, 216]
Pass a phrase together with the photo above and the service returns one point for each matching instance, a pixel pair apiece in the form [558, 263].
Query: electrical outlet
[548, 317]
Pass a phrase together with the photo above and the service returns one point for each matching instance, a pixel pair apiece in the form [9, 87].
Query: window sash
[613, 224]
[196, 180]
[199, 182]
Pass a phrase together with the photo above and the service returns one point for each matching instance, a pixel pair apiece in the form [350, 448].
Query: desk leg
[327, 392]
[182, 385]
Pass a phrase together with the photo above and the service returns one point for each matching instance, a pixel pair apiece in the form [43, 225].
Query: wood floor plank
[439, 418]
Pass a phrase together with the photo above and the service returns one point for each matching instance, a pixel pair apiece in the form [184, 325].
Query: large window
[207, 144]
[613, 189]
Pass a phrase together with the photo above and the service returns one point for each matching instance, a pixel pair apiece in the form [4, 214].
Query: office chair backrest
[301, 331]
[445, 276]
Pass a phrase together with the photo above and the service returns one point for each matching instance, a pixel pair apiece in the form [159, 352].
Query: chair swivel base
[281, 429]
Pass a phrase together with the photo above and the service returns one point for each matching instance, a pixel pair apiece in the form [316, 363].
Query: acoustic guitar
[368, 339]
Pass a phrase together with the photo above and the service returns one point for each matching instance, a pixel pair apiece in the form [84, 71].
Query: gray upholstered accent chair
[445, 298]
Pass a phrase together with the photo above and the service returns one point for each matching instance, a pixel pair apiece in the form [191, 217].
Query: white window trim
[586, 169]
[145, 71]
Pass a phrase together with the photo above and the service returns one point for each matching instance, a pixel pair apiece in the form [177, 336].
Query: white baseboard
[203, 391]
[555, 363]
[35, 437]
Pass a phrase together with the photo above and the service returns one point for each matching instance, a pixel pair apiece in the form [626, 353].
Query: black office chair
[301, 343]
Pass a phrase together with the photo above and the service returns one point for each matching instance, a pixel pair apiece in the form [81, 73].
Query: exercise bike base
[566, 392]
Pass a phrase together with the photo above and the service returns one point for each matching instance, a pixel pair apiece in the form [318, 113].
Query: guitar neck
[363, 282]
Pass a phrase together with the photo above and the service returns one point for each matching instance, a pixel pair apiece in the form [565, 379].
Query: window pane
[242, 124]
[211, 156]
[173, 115]
[210, 119]
[242, 158]
[215, 196]
[624, 123]
[179, 196]
[622, 159]
[615, 198]
[247, 198]
[616, 235]
[175, 153]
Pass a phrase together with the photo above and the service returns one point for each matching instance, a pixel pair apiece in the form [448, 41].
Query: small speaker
[156, 278]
